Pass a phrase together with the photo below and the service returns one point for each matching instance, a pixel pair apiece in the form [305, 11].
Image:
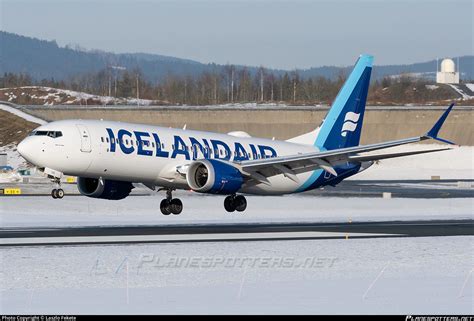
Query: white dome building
[448, 74]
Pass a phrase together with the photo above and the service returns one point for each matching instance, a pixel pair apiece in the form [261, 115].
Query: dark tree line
[228, 85]
[232, 85]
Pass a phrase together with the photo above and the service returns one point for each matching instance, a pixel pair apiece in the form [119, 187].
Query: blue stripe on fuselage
[321, 178]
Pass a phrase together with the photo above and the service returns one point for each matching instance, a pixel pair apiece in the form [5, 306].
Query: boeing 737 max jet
[109, 157]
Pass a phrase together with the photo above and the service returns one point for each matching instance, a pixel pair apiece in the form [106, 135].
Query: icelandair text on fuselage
[191, 148]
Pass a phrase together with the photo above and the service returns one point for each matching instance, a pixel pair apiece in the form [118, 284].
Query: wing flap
[364, 158]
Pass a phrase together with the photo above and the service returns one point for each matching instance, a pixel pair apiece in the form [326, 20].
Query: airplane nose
[21, 147]
[25, 149]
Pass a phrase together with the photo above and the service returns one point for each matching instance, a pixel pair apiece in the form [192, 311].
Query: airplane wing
[289, 166]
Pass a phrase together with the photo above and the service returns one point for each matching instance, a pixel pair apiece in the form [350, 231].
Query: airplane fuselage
[158, 156]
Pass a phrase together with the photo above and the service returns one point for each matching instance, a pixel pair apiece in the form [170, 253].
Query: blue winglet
[433, 132]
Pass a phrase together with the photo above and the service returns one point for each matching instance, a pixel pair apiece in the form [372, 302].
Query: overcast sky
[278, 34]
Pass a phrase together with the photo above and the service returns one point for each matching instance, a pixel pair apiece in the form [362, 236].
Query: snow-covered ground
[470, 86]
[22, 114]
[430, 275]
[365, 276]
[457, 163]
[10, 177]
[55, 96]
[198, 208]
[14, 158]
[461, 92]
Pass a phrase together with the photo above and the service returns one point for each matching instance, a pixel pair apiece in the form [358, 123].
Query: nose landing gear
[171, 205]
[235, 203]
[57, 192]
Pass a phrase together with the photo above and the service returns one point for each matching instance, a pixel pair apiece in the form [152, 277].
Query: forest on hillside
[236, 86]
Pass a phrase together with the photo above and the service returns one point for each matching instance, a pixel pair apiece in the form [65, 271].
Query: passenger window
[102, 139]
[107, 139]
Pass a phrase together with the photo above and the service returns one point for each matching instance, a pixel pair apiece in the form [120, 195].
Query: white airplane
[109, 157]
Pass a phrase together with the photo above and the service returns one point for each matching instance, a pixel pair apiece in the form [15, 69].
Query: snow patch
[14, 159]
[461, 92]
[57, 96]
[10, 177]
[23, 115]
[470, 86]
[457, 163]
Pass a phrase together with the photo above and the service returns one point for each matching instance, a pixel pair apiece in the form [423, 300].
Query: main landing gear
[57, 192]
[235, 203]
[171, 205]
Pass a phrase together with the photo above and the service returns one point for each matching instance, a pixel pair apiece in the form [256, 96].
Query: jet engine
[214, 176]
[105, 189]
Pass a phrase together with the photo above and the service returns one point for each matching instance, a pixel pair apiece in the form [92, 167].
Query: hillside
[45, 60]
[408, 93]
[39, 95]
[13, 129]
[397, 93]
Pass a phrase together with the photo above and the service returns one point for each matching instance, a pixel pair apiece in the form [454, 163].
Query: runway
[230, 232]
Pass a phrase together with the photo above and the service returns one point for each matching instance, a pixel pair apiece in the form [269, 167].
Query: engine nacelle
[214, 176]
[105, 189]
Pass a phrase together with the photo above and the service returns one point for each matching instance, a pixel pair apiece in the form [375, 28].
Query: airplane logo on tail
[350, 123]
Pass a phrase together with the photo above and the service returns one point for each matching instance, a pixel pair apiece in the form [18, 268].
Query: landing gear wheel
[176, 206]
[165, 207]
[229, 204]
[240, 203]
[54, 193]
[169, 204]
[60, 193]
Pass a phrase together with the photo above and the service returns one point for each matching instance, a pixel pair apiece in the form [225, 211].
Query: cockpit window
[52, 134]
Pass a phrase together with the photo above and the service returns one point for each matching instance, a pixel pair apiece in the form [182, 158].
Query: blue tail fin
[343, 123]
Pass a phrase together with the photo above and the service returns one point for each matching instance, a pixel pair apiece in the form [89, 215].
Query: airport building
[448, 73]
